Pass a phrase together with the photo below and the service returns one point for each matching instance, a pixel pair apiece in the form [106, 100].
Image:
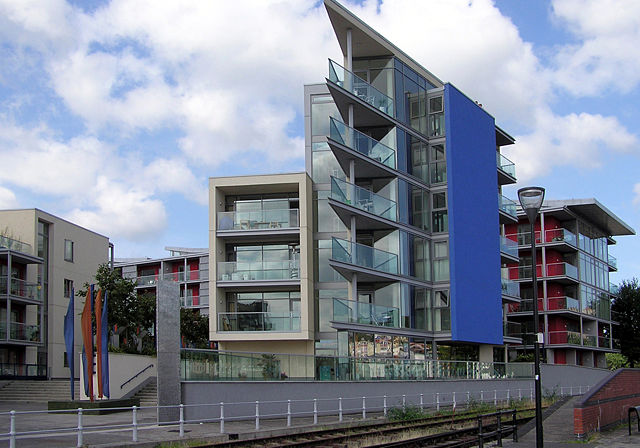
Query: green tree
[194, 328]
[627, 305]
[616, 361]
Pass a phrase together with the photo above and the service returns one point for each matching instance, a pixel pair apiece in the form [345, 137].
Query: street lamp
[531, 200]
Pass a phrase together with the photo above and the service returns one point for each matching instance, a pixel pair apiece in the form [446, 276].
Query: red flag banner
[87, 340]
[98, 310]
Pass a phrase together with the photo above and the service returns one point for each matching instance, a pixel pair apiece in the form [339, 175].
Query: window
[68, 250]
[440, 261]
[68, 288]
[436, 117]
[438, 165]
[440, 222]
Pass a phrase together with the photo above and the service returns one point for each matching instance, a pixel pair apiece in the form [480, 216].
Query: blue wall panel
[474, 244]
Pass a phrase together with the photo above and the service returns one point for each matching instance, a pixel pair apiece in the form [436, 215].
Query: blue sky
[113, 114]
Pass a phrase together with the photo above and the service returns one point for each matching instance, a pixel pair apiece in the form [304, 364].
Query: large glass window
[438, 164]
[322, 107]
[326, 218]
[436, 116]
[68, 250]
[325, 165]
[440, 218]
[440, 261]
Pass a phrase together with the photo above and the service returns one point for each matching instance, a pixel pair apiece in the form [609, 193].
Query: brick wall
[608, 402]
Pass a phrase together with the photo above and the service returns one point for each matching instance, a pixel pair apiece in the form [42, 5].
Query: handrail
[136, 376]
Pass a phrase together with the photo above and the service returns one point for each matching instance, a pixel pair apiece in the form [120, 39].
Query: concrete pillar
[486, 353]
[168, 346]
[349, 61]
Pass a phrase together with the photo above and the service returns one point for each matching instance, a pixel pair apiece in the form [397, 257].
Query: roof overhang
[593, 211]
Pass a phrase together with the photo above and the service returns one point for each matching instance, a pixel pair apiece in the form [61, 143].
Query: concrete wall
[122, 368]
[557, 376]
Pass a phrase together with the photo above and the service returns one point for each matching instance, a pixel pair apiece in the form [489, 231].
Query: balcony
[20, 332]
[508, 210]
[524, 238]
[562, 272]
[383, 264]
[193, 275]
[352, 312]
[20, 288]
[15, 245]
[193, 301]
[362, 143]
[362, 199]
[146, 280]
[506, 170]
[614, 289]
[604, 342]
[259, 220]
[612, 262]
[560, 238]
[509, 248]
[259, 321]
[512, 330]
[564, 338]
[525, 306]
[589, 340]
[360, 88]
[563, 303]
[510, 288]
[261, 271]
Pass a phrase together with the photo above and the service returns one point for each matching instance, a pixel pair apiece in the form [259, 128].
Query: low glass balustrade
[9, 369]
[259, 219]
[564, 337]
[192, 300]
[260, 270]
[604, 342]
[510, 288]
[213, 365]
[181, 277]
[147, 280]
[13, 244]
[360, 88]
[563, 303]
[356, 140]
[350, 311]
[364, 256]
[614, 289]
[589, 340]
[507, 206]
[259, 321]
[508, 246]
[561, 235]
[552, 270]
[612, 261]
[524, 238]
[505, 165]
[512, 329]
[562, 269]
[20, 288]
[363, 199]
[21, 332]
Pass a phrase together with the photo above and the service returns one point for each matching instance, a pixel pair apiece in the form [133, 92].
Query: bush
[406, 414]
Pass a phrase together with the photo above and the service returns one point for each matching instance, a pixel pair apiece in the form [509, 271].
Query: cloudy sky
[113, 114]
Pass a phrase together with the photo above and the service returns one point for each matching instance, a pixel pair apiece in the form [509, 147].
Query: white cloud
[7, 198]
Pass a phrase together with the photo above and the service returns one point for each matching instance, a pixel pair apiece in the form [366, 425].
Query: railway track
[444, 431]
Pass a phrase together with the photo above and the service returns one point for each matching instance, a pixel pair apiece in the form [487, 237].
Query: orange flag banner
[87, 340]
[98, 310]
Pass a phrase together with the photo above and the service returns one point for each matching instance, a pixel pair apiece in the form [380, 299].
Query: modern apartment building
[389, 245]
[42, 258]
[187, 266]
[574, 292]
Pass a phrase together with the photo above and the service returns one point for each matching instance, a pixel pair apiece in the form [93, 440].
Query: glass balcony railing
[20, 288]
[525, 306]
[561, 235]
[362, 143]
[191, 301]
[612, 261]
[364, 256]
[512, 329]
[524, 238]
[604, 342]
[213, 365]
[260, 270]
[507, 206]
[589, 340]
[350, 311]
[563, 303]
[259, 219]
[614, 289]
[182, 276]
[508, 246]
[21, 332]
[505, 165]
[360, 88]
[363, 199]
[510, 288]
[564, 337]
[259, 321]
[552, 270]
[562, 269]
[147, 280]
[13, 244]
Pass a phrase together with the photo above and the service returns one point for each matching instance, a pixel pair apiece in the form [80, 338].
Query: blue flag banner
[68, 339]
[104, 341]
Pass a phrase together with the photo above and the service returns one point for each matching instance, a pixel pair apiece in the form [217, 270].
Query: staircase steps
[38, 391]
[148, 395]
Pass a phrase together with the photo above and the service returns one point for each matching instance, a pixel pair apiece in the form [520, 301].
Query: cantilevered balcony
[259, 322]
[352, 312]
[561, 240]
[562, 304]
[371, 106]
[144, 281]
[512, 330]
[564, 338]
[259, 273]
[524, 238]
[20, 332]
[506, 170]
[612, 262]
[510, 289]
[560, 272]
[371, 265]
[508, 249]
[15, 245]
[20, 289]
[372, 211]
[508, 210]
[373, 159]
[257, 221]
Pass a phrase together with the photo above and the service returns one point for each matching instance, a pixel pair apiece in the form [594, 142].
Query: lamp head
[531, 200]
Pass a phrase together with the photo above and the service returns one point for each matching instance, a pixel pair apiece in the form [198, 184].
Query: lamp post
[531, 200]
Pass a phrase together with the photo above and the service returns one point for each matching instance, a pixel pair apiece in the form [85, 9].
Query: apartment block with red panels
[574, 291]
[188, 267]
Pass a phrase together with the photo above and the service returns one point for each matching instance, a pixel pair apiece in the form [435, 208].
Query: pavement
[558, 429]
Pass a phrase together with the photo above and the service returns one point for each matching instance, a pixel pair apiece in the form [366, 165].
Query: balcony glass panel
[508, 246]
[614, 289]
[260, 270]
[524, 238]
[512, 329]
[507, 206]
[362, 143]
[259, 321]
[22, 332]
[363, 199]
[20, 288]
[360, 88]
[505, 165]
[564, 337]
[147, 280]
[259, 219]
[604, 342]
[350, 311]
[563, 303]
[612, 261]
[364, 256]
[560, 269]
[193, 301]
[510, 288]
[557, 235]
[12, 244]
[589, 340]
